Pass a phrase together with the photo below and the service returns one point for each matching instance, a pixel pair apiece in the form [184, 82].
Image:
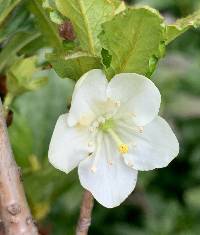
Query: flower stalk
[85, 214]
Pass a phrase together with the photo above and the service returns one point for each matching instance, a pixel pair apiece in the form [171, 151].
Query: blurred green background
[165, 201]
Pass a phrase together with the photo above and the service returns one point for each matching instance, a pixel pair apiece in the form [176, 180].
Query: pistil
[122, 147]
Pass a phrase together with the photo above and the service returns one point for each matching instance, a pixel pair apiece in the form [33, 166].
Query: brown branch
[85, 214]
[15, 213]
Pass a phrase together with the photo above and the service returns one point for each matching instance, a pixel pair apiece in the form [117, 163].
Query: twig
[15, 213]
[85, 214]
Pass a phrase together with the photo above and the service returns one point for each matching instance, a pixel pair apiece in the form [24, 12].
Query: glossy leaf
[75, 65]
[25, 76]
[87, 17]
[132, 38]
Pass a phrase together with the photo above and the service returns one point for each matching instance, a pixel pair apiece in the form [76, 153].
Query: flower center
[107, 124]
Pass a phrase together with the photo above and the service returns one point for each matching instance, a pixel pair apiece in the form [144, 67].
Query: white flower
[111, 131]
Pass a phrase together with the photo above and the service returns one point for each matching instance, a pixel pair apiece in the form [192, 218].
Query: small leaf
[87, 17]
[6, 6]
[19, 20]
[47, 28]
[25, 76]
[132, 37]
[16, 43]
[75, 65]
[182, 25]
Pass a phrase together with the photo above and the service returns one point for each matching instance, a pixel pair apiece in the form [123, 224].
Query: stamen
[93, 169]
[130, 164]
[136, 128]
[91, 146]
[91, 129]
[101, 119]
[117, 103]
[96, 154]
[108, 152]
[95, 124]
[141, 129]
[108, 116]
[123, 148]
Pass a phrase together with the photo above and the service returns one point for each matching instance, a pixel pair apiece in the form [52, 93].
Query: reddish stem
[85, 214]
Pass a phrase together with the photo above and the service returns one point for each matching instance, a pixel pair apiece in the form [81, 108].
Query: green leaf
[16, 43]
[132, 38]
[19, 20]
[192, 197]
[182, 25]
[106, 57]
[48, 29]
[25, 76]
[6, 6]
[87, 17]
[21, 138]
[75, 65]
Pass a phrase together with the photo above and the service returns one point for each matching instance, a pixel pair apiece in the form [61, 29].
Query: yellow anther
[123, 148]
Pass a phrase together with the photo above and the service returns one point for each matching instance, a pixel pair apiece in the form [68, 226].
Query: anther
[95, 124]
[91, 129]
[110, 162]
[123, 148]
[141, 129]
[93, 169]
[101, 120]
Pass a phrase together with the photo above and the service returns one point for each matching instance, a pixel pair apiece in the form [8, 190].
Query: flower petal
[89, 91]
[68, 145]
[137, 94]
[156, 147]
[109, 184]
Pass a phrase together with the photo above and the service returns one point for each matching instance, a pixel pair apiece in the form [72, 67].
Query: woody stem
[85, 214]
[15, 213]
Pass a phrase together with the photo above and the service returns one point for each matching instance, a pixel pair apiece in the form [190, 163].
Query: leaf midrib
[122, 67]
[88, 29]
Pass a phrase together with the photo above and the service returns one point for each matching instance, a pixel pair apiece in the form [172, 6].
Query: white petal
[156, 147]
[89, 91]
[137, 94]
[68, 145]
[109, 184]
